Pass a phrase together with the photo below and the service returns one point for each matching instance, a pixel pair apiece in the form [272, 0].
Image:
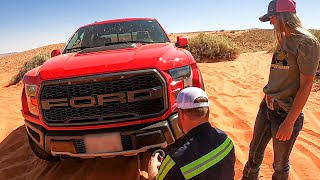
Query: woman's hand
[285, 130]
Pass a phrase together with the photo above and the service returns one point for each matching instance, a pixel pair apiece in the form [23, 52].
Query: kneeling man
[206, 153]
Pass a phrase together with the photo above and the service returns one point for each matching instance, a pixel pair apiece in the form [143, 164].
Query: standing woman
[293, 68]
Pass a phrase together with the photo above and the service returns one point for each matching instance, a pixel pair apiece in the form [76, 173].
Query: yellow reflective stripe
[165, 167]
[205, 157]
[209, 164]
[164, 163]
[205, 162]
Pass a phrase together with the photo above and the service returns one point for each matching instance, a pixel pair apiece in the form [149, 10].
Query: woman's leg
[261, 137]
[282, 149]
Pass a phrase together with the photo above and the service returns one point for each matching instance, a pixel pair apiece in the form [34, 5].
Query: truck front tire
[40, 153]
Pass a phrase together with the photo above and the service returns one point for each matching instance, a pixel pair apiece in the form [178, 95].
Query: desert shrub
[35, 61]
[213, 48]
[317, 34]
[316, 85]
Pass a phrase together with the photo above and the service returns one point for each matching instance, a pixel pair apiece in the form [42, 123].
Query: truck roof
[117, 20]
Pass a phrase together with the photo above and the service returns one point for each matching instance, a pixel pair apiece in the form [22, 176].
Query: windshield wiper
[79, 48]
[107, 44]
[126, 42]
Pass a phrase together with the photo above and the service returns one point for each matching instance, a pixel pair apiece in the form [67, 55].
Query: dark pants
[265, 128]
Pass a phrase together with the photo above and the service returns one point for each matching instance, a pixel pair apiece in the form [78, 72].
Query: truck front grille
[105, 98]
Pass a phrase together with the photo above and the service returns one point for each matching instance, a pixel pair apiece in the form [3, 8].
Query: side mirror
[182, 41]
[55, 52]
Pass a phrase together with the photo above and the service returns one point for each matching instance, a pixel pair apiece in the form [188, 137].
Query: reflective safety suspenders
[205, 162]
[165, 167]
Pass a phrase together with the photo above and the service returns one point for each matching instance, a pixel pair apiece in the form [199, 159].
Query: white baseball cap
[186, 98]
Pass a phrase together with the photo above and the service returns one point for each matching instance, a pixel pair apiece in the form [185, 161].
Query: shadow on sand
[18, 162]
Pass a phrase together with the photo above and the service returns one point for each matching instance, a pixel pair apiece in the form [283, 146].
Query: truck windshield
[139, 31]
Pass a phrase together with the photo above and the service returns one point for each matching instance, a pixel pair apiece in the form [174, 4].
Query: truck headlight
[31, 91]
[183, 74]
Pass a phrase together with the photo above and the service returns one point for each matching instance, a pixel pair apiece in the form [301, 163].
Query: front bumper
[126, 141]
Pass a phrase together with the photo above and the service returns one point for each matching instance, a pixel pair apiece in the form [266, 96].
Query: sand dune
[235, 91]
[13, 62]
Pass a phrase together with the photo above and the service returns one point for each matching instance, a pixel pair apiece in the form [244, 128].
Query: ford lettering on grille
[105, 98]
[100, 100]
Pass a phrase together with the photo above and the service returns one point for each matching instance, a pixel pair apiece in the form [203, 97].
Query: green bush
[36, 61]
[212, 48]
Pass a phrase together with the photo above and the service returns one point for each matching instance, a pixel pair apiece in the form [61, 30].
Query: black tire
[40, 153]
[203, 87]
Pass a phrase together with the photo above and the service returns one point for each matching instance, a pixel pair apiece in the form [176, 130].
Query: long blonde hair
[289, 22]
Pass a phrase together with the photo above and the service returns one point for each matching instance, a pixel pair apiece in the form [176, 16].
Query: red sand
[235, 91]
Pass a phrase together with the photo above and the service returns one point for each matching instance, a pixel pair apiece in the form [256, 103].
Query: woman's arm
[285, 130]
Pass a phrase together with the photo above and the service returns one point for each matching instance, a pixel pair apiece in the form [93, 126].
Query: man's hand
[154, 165]
[285, 130]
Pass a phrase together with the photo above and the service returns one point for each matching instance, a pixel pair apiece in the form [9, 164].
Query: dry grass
[36, 61]
[316, 33]
[316, 85]
[213, 48]
[12, 63]
[173, 36]
[253, 40]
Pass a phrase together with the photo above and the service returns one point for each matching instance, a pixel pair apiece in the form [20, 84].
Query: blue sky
[27, 24]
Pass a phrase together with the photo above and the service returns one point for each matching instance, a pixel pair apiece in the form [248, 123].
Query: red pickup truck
[111, 91]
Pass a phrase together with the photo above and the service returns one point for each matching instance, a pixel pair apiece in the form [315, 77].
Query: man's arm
[168, 169]
[285, 130]
[308, 62]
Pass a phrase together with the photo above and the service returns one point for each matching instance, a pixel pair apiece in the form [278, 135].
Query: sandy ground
[235, 90]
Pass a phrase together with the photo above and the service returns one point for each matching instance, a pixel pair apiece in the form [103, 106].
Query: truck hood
[161, 56]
